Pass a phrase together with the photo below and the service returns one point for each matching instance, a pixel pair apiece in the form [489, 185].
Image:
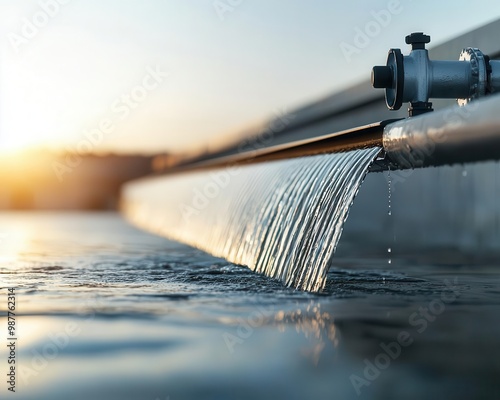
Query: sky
[173, 75]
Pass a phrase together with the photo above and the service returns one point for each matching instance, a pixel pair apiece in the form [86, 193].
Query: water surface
[109, 312]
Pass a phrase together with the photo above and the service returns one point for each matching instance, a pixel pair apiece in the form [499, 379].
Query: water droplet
[389, 179]
[464, 173]
[389, 208]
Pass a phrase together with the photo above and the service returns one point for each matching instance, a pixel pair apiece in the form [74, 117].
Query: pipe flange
[479, 73]
[394, 93]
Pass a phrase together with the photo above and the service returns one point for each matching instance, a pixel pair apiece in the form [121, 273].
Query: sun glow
[12, 243]
[17, 144]
[23, 124]
[26, 122]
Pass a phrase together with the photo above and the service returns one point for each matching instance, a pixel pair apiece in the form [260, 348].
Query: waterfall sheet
[282, 218]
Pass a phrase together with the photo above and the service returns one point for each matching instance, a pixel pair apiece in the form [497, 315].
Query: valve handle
[418, 40]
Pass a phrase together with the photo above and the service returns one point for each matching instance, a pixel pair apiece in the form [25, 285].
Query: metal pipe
[454, 135]
[450, 79]
[360, 137]
[495, 77]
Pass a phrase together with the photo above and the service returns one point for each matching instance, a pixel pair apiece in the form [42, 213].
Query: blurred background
[95, 93]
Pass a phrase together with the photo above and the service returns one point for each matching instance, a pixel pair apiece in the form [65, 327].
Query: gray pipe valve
[415, 78]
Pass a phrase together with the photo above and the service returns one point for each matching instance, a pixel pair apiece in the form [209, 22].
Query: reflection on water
[108, 312]
[13, 242]
[316, 325]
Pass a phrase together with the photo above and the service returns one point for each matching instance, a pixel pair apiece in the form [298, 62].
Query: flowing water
[107, 312]
[283, 218]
